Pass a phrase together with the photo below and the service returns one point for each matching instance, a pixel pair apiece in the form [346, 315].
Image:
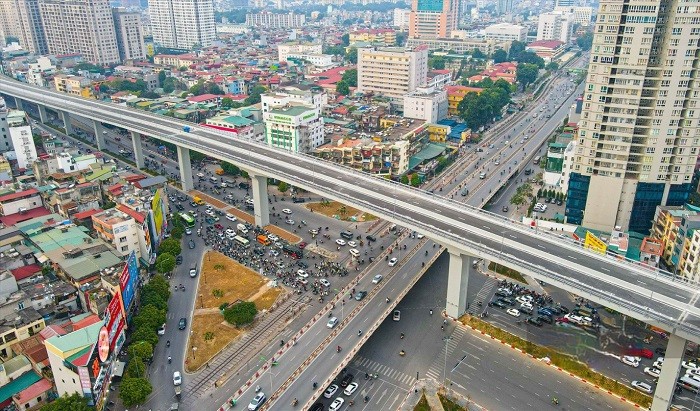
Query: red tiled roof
[33, 391]
[132, 213]
[18, 194]
[52, 331]
[552, 44]
[13, 219]
[203, 97]
[86, 214]
[85, 322]
[25, 271]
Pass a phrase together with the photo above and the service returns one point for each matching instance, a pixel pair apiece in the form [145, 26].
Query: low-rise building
[506, 71]
[286, 50]
[297, 128]
[549, 50]
[74, 85]
[68, 356]
[427, 104]
[74, 199]
[17, 325]
[461, 46]
[22, 139]
[455, 95]
[381, 37]
[20, 202]
[122, 231]
[506, 32]
[275, 20]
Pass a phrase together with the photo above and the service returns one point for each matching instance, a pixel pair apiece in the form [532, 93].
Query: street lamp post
[194, 353]
[444, 368]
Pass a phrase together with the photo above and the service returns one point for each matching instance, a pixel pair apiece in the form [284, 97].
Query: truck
[262, 239]
[198, 200]
[219, 171]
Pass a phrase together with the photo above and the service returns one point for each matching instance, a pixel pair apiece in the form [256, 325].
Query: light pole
[194, 353]
[503, 237]
[444, 368]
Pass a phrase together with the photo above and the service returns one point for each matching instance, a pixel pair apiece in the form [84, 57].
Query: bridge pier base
[138, 149]
[99, 135]
[183, 160]
[458, 283]
[260, 200]
[42, 113]
[666, 386]
[19, 104]
[66, 123]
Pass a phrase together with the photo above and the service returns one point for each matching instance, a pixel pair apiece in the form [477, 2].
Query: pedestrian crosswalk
[384, 371]
[483, 296]
[435, 371]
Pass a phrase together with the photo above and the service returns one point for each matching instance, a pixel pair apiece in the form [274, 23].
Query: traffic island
[339, 211]
[563, 362]
[223, 281]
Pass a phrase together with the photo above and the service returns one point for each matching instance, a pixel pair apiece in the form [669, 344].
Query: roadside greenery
[75, 402]
[480, 109]
[241, 314]
[422, 404]
[508, 272]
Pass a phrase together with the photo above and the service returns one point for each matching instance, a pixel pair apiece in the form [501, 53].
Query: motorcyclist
[168, 343]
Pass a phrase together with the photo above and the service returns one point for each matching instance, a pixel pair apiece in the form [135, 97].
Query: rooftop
[292, 110]
[20, 384]
[77, 339]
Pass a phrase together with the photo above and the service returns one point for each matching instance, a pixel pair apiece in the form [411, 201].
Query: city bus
[294, 251]
[690, 384]
[243, 242]
[187, 219]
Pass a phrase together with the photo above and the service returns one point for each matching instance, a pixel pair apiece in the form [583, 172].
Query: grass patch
[334, 209]
[422, 404]
[448, 404]
[508, 272]
[564, 361]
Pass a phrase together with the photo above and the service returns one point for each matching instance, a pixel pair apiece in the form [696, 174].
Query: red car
[218, 226]
[302, 245]
[640, 352]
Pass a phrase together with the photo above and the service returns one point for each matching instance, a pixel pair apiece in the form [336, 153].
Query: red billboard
[114, 319]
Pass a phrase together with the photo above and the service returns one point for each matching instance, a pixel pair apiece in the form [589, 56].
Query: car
[514, 312]
[286, 211]
[332, 323]
[377, 279]
[182, 324]
[290, 221]
[179, 207]
[188, 231]
[689, 365]
[629, 360]
[370, 237]
[351, 388]
[317, 407]
[640, 352]
[360, 295]
[302, 264]
[504, 293]
[340, 242]
[393, 262]
[497, 303]
[231, 217]
[177, 378]
[230, 231]
[397, 315]
[534, 321]
[352, 244]
[693, 371]
[302, 245]
[257, 401]
[303, 274]
[298, 200]
[272, 237]
[330, 391]
[313, 232]
[191, 244]
[336, 404]
[660, 351]
[654, 372]
[642, 386]
[545, 311]
[507, 300]
[545, 319]
[274, 253]
[420, 236]
[347, 379]
[324, 282]
[161, 329]
[504, 209]
[178, 259]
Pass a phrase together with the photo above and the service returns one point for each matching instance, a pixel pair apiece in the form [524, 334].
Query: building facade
[181, 24]
[21, 19]
[392, 72]
[639, 134]
[129, 33]
[582, 15]
[121, 231]
[22, 139]
[432, 18]
[80, 26]
[292, 49]
[506, 32]
[426, 103]
[555, 25]
[275, 20]
[297, 128]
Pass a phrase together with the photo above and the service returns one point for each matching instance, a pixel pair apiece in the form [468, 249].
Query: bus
[536, 160]
[241, 241]
[294, 251]
[690, 384]
[187, 219]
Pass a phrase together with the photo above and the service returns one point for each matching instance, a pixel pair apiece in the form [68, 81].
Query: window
[122, 239]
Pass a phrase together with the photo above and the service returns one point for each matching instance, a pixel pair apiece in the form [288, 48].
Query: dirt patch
[283, 234]
[334, 209]
[222, 280]
[248, 218]
[209, 199]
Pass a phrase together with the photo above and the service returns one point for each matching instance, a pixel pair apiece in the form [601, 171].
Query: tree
[145, 334]
[352, 55]
[517, 199]
[516, 48]
[170, 246]
[155, 300]
[342, 88]
[334, 50]
[229, 168]
[177, 232]
[226, 102]
[241, 313]
[162, 75]
[437, 63]
[401, 38]
[415, 180]
[552, 66]
[404, 179]
[350, 77]
[345, 38]
[149, 94]
[529, 57]
[283, 187]
[165, 263]
[170, 84]
[526, 74]
[585, 42]
[158, 285]
[142, 350]
[478, 54]
[75, 402]
[150, 317]
[135, 369]
[254, 96]
[499, 56]
[134, 391]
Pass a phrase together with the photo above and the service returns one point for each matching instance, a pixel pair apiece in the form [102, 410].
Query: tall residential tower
[639, 134]
[431, 19]
[182, 24]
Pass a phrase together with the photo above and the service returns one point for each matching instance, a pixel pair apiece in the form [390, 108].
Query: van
[354, 252]
[262, 239]
[346, 235]
[482, 175]
[193, 271]
[213, 179]
[242, 228]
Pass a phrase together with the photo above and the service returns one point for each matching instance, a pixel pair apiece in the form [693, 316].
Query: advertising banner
[114, 320]
[158, 215]
[128, 280]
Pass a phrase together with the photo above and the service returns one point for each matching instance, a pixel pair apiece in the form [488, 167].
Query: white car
[393, 262]
[231, 217]
[689, 365]
[642, 386]
[302, 274]
[257, 402]
[330, 391]
[527, 305]
[290, 221]
[514, 312]
[522, 300]
[340, 241]
[177, 378]
[274, 253]
[654, 372]
[324, 282]
[272, 237]
[420, 236]
[337, 404]
[352, 244]
[287, 211]
[693, 371]
[188, 231]
[332, 323]
[351, 388]
[161, 330]
[397, 315]
[377, 279]
[631, 361]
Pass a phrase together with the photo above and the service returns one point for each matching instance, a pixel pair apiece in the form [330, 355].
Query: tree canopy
[342, 88]
[500, 56]
[352, 55]
[585, 42]
[241, 313]
[206, 87]
[254, 96]
[480, 109]
[165, 263]
[134, 391]
[75, 402]
[437, 63]
[170, 246]
[526, 74]
[350, 77]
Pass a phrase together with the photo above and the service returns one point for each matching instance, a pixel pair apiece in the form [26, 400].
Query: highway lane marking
[541, 246]
[573, 258]
[603, 268]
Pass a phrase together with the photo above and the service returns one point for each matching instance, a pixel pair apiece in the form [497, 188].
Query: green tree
[350, 77]
[142, 350]
[170, 84]
[165, 263]
[499, 56]
[156, 300]
[585, 42]
[415, 180]
[177, 232]
[158, 285]
[145, 334]
[404, 179]
[529, 57]
[230, 168]
[170, 246]
[401, 38]
[74, 402]
[133, 391]
[478, 54]
[149, 317]
[334, 50]
[254, 96]
[241, 313]
[162, 75]
[516, 48]
[437, 63]
[345, 38]
[149, 94]
[226, 102]
[342, 88]
[552, 66]
[517, 199]
[283, 187]
[352, 55]
[135, 369]
[526, 74]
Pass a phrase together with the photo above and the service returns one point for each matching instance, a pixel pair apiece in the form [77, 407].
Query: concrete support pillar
[260, 200]
[457, 283]
[99, 135]
[666, 385]
[183, 160]
[43, 117]
[66, 122]
[19, 104]
[138, 149]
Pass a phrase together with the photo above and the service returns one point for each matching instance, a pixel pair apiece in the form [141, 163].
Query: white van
[354, 252]
[482, 175]
[213, 179]
[242, 228]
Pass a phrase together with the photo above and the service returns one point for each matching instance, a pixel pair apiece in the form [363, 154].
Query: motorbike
[338, 349]
[257, 389]
[295, 402]
[402, 353]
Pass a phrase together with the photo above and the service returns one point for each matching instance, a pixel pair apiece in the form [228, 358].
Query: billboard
[158, 214]
[114, 321]
[128, 280]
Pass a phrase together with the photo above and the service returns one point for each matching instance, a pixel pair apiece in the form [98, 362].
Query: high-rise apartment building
[80, 26]
[555, 25]
[275, 20]
[391, 71]
[504, 6]
[129, 31]
[182, 24]
[21, 19]
[639, 134]
[432, 18]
